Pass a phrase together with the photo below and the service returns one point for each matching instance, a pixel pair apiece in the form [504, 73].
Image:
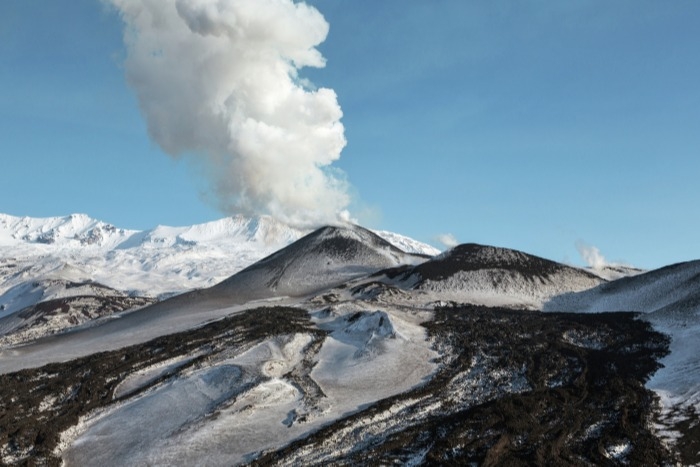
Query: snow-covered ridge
[79, 230]
[407, 244]
[75, 230]
[153, 263]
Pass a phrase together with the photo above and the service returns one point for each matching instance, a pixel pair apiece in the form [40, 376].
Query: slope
[669, 297]
[487, 275]
[326, 257]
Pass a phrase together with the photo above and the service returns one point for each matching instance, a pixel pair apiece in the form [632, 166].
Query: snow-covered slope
[233, 404]
[654, 291]
[155, 263]
[407, 244]
[335, 348]
[669, 297]
[158, 262]
[326, 257]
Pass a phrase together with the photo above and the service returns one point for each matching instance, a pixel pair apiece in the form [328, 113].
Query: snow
[407, 244]
[146, 376]
[160, 262]
[247, 402]
[670, 300]
[123, 330]
[237, 406]
[619, 451]
[172, 406]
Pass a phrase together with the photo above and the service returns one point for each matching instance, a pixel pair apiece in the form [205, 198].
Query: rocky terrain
[343, 349]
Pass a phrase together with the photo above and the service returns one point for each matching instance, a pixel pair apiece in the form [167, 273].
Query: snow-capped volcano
[56, 258]
[73, 230]
[324, 258]
[154, 263]
[336, 347]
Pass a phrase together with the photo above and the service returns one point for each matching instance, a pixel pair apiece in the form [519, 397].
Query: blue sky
[530, 125]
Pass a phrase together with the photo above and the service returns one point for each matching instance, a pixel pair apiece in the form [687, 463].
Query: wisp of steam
[591, 255]
[219, 80]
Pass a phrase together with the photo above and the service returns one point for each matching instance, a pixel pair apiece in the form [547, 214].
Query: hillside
[340, 347]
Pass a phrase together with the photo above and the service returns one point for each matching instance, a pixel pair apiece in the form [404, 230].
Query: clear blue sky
[530, 125]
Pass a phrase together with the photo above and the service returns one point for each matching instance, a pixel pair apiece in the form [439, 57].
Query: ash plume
[219, 80]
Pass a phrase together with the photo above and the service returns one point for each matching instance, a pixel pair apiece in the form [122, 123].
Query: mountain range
[245, 341]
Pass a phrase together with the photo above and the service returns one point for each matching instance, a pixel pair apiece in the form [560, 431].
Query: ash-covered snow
[150, 374]
[127, 434]
[322, 259]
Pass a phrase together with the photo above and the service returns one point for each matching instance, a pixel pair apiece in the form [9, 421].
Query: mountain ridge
[339, 346]
[157, 263]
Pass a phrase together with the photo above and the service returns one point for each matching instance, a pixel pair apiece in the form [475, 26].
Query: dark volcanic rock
[61, 314]
[474, 257]
[514, 388]
[324, 258]
[38, 404]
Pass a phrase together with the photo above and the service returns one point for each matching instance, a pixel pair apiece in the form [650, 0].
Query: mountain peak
[493, 276]
[474, 257]
[74, 229]
[327, 256]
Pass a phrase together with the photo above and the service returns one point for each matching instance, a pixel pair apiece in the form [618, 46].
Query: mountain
[341, 347]
[49, 259]
[610, 272]
[322, 259]
[675, 287]
[487, 275]
[154, 263]
[669, 298]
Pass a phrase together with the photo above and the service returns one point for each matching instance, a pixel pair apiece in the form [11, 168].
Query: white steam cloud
[591, 255]
[447, 240]
[218, 79]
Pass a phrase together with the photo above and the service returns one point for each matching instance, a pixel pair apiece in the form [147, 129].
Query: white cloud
[218, 80]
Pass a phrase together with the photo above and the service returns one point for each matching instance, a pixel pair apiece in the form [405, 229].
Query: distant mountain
[674, 287]
[49, 259]
[158, 262]
[155, 263]
[611, 272]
